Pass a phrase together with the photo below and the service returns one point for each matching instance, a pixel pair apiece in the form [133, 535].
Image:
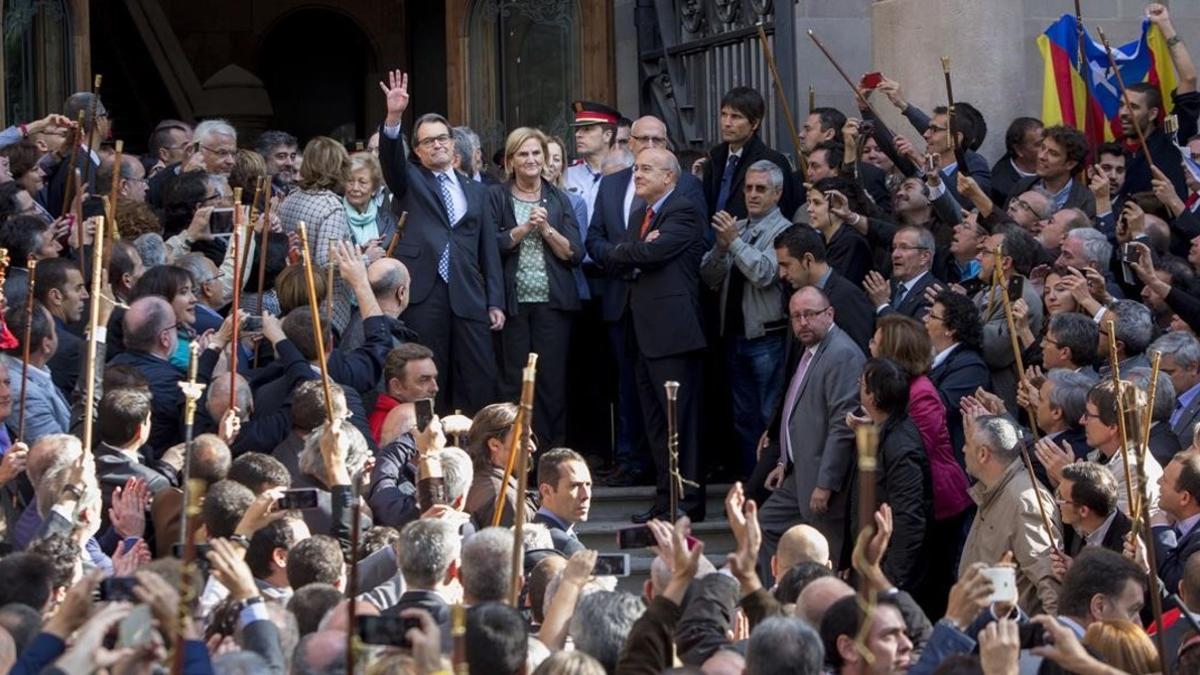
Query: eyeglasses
[933, 128]
[650, 140]
[1089, 416]
[434, 140]
[931, 315]
[1047, 338]
[1025, 205]
[223, 153]
[810, 315]
[1058, 497]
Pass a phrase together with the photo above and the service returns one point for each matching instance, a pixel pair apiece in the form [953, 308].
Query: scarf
[363, 226]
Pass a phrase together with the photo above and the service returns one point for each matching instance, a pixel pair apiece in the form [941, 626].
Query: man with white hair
[427, 553]
[213, 148]
[486, 566]
[1181, 362]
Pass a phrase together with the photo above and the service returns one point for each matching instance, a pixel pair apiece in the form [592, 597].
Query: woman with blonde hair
[317, 202]
[1123, 645]
[370, 224]
[540, 248]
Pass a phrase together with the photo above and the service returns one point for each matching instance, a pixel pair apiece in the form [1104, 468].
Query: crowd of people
[964, 393]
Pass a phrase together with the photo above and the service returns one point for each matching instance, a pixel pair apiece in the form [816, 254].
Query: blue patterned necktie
[448, 202]
[727, 181]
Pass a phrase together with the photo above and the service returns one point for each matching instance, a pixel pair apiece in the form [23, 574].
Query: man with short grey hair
[213, 148]
[743, 268]
[1181, 362]
[1005, 521]
[601, 623]
[457, 474]
[1088, 247]
[1061, 402]
[784, 644]
[427, 553]
[1163, 443]
[1134, 330]
[486, 566]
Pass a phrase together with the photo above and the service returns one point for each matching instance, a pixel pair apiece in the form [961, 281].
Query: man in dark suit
[59, 286]
[616, 202]
[428, 553]
[450, 249]
[828, 125]
[1181, 361]
[912, 261]
[1062, 154]
[1177, 537]
[659, 257]
[1087, 499]
[801, 253]
[95, 129]
[742, 110]
[565, 484]
[124, 426]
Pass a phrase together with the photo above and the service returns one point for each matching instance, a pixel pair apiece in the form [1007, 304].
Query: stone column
[986, 44]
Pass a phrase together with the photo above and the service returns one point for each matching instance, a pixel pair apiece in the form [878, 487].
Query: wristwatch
[1174, 40]
[240, 540]
[253, 600]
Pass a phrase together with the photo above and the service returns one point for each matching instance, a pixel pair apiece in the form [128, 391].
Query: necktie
[646, 223]
[1191, 200]
[901, 291]
[727, 181]
[789, 404]
[448, 202]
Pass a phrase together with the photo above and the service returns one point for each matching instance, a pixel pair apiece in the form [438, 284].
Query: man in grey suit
[1181, 361]
[823, 387]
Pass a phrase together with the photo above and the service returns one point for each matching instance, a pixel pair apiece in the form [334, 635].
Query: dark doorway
[313, 63]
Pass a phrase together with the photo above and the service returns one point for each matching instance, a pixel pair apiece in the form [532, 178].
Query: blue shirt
[1185, 399]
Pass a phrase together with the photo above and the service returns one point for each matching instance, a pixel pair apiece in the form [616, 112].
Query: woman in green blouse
[540, 245]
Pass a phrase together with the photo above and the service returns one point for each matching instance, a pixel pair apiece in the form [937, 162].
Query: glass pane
[37, 58]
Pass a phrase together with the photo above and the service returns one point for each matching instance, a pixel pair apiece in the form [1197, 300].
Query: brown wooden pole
[801, 160]
[316, 321]
[30, 299]
[1112, 63]
[89, 402]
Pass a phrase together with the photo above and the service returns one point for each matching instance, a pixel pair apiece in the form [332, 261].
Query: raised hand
[395, 90]
[14, 462]
[1054, 457]
[999, 646]
[879, 291]
[128, 510]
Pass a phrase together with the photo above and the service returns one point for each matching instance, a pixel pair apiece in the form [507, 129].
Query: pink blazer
[927, 411]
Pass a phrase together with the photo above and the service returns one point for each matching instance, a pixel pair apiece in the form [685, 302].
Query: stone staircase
[612, 508]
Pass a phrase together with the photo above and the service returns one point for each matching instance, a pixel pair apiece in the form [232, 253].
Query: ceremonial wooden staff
[866, 438]
[519, 427]
[862, 100]
[1082, 64]
[234, 242]
[458, 639]
[398, 234]
[89, 401]
[262, 250]
[249, 238]
[518, 551]
[812, 99]
[1118, 387]
[76, 142]
[116, 184]
[1000, 280]
[329, 268]
[960, 153]
[780, 96]
[31, 265]
[193, 493]
[1112, 63]
[352, 576]
[316, 321]
[676, 477]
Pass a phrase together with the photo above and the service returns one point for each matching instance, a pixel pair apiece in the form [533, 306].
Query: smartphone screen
[1016, 288]
[871, 80]
[612, 565]
[424, 408]
[386, 630]
[117, 589]
[302, 498]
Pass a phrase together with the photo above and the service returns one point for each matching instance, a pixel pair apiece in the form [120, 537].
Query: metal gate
[690, 52]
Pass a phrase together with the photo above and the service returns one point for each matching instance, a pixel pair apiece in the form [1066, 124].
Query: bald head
[318, 652]
[218, 402]
[818, 596]
[655, 173]
[802, 543]
[389, 281]
[146, 323]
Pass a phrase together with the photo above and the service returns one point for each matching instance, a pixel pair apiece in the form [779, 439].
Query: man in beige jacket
[1008, 518]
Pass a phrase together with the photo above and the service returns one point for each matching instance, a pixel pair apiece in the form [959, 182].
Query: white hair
[214, 127]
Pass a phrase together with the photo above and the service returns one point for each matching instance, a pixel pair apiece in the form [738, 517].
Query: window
[37, 58]
[524, 66]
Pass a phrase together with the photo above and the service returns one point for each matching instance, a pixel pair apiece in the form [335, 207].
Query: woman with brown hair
[488, 442]
[905, 341]
[318, 203]
[540, 248]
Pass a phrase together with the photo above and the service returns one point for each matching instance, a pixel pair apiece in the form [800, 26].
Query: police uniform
[579, 179]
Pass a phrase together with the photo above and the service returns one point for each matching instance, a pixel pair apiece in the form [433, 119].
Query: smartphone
[635, 537]
[252, 324]
[117, 589]
[1129, 255]
[1031, 635]
[929, 166]
[1016, 288]
[136, 630]
[221, 220]
[424, 408]
[871, 80]
[298, 499]
[387, 630]
[612, 565]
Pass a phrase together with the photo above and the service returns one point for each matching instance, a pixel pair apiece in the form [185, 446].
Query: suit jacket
[46, 409]
[961, 373]
[1114, 539]
[56, 185]
[914, 303]
[1185, 427]
[476, 275]
[1080, 197]
[560, 273]
[431, 602]
[822, 445]
[609, 226]
[663, 277]
[1173, 550]
[997, 345]
[565, 541]
[1164, 444]
[114, 467]
[166, 406]
[852, 311]
[752, 151]
[64, 366]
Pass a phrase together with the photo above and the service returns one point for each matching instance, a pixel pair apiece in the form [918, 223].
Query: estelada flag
[1088, 97]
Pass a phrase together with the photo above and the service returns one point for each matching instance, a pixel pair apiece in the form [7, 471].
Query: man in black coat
[87, 162]
[801, 253]
[659, 257]
[565, 484]
[742, 110]
[428, 553]
[1087, 499]
[1179, 498]
[450, 249]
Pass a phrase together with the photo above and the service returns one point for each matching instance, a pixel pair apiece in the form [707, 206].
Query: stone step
[602, 536]
[639, 571]
[621, 503]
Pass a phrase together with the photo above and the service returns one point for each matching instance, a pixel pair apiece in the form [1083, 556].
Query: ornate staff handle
[866, 438]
